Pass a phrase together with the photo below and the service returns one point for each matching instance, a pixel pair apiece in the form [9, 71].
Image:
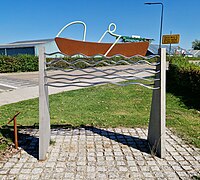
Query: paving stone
[58, 175]
[91, 175]
[14, 171]
[145, 168]
[120, 163]
[131, 163]
[101, 175]
[134, 169]
[9, 165]
[148, 175]
[26, 171]
[151, 163]
[177, 168]
[59, 169]
[69, 175]
[4, 171]
[155, 168]
[23, 177]
[11, 177]
[28, 165]
[35, 176]
[50, 164]
[37, 170]
[3, 177]
[172, 174]
[158, 174]
[105, 154]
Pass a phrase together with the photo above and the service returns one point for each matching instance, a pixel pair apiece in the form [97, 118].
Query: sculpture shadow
[131, 141]
[26, 141]
[30, 143]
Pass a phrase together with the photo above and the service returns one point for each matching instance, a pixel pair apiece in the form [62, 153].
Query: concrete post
[44, 117]
[156, 131]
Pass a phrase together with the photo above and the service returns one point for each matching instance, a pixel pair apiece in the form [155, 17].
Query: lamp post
[161, 18]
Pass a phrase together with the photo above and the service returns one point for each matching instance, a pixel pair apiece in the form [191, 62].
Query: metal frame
[74, 22]
[156, 131]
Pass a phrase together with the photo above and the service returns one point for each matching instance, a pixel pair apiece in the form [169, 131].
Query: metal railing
[118, 72]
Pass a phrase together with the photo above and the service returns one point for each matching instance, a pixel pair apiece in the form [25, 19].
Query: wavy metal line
[91, 76]
[104, 62]
[82, 61]
[148, 70]
[102, 56]
[125, 77]
[98, 83]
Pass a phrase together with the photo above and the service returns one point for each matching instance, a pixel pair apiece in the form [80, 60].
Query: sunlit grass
[107, 106]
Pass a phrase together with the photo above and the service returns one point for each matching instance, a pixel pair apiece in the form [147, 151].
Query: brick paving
[96, 153]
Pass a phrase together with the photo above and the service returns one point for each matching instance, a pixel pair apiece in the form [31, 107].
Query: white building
[195, 53]
[28, 47]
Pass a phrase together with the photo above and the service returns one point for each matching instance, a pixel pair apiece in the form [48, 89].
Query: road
[16, 87]
[12, 81]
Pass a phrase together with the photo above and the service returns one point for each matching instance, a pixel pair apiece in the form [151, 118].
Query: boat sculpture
[138, 46]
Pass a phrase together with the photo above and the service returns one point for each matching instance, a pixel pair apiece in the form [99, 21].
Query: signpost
[171, 39]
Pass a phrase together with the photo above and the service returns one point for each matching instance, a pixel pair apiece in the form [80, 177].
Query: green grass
[107, 106]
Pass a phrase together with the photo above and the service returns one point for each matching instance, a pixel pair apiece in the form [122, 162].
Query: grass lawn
[107, 106]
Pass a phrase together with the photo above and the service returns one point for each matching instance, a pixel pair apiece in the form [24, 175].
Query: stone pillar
[157, 123]
[44, 116]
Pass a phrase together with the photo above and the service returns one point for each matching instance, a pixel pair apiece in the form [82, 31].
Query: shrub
[25, 63]
[19, 63]
[185, 77]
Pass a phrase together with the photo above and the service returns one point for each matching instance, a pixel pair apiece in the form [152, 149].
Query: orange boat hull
[71, 47]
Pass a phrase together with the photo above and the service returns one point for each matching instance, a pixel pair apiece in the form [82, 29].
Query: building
[175, 50]
[28, 47]
[194, 53]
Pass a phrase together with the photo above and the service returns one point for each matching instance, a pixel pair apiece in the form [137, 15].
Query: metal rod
[170, 47]
[15, 132]
[161, 18]
[15, 128]
[161, 24]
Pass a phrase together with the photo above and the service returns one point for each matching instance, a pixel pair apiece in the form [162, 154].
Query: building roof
[29, 43]
[153, 48]
[194, 52]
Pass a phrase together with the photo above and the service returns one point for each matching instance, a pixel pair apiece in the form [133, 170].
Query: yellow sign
[171, 39]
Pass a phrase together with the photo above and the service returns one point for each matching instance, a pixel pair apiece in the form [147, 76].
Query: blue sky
[42, 19]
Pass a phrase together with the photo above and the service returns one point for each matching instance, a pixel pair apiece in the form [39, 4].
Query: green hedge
[19, 63]
[25, 63]
[185, 77]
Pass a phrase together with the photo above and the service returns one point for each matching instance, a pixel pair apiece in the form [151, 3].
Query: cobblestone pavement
[92, 153]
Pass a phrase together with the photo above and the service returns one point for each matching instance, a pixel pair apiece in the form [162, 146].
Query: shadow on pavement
[30, 143]
[131, 141]
[26, 141]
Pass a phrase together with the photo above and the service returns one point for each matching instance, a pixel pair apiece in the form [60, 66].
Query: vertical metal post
[44, 117]
[15, 133]
[170, 48]
[161, 19]
[161, 25]
[156, 131]
[15, 128]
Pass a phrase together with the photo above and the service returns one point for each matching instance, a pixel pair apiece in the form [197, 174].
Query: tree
[196, 44]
